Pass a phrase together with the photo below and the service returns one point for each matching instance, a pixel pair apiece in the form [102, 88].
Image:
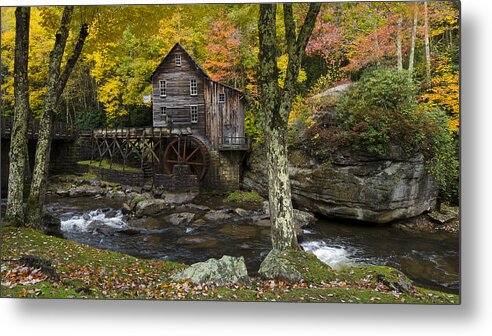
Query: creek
[431, 260]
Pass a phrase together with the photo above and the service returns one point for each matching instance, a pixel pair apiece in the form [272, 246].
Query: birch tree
[18, 142]
[399, 38]
[276, 103]
[56, 82]
[427, 44]
[411, 57]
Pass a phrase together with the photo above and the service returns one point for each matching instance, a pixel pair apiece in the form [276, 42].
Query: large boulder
[357, 186]
[222, 272]
[294, 266]
[151, 207]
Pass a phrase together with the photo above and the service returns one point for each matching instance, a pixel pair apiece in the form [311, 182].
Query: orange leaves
[21, 275]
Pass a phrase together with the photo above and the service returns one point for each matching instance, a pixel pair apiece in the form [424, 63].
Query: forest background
[407, 48]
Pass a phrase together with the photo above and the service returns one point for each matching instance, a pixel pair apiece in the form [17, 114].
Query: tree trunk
[275, 110]
[398, 43]
[55, 84]
[427, 44]
[18, 142]
[411, 58]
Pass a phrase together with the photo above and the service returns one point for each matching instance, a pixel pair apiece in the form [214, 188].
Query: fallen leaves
[21, 275]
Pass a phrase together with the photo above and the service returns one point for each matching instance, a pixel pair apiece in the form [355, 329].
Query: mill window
[194, 113]
[193, 87]
[164, 116]
[222, 97]
[178, 60]
[162, 88]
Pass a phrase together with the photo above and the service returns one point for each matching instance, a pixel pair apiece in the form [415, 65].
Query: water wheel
[187, 151]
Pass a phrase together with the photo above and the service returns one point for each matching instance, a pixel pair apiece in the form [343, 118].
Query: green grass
[240, 197]
[106, 164]
[87, 272]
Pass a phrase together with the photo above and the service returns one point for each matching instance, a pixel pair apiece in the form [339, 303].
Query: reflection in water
[431, 260]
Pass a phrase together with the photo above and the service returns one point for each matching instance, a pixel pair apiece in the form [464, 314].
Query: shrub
[382, 110]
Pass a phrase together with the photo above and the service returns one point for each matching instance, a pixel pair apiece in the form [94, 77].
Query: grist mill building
[197, 122]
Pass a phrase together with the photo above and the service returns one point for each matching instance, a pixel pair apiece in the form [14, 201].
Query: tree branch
[296, 52]
[290, 28]
[62, 82]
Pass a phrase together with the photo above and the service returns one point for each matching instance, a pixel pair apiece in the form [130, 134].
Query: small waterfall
[334, 256]
[89, 221]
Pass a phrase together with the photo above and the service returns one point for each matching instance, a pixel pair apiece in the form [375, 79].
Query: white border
[472, 317]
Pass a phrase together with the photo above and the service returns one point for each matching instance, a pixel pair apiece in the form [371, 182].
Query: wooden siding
[178, 98]
[216, 121]
[224, 120]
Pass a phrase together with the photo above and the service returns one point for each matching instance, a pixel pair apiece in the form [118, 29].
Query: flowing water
[431, 260]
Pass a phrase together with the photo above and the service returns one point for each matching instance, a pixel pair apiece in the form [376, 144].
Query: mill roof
[193, 62]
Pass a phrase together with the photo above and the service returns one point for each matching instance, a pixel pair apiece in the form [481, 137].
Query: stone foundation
[124, 177]
[224, 173]
[180, 181]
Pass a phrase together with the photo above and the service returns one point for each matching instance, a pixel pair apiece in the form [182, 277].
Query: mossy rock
[388, 276]
[295, 266]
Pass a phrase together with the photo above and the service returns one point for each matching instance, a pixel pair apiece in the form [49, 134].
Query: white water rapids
[336, 257]
[87, 222]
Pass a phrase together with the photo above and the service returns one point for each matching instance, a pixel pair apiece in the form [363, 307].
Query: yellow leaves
[282, 63]
[444, 91]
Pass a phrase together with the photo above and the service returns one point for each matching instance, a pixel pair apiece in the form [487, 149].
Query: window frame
[177, 60]
[164, 115]
[194, 120]
[193, 80]
[222, 95]
[161, 88]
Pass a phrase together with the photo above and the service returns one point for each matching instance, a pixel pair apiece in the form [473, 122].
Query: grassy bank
[80, 271]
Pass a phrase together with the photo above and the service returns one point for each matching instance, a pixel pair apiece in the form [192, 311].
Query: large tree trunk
[399, 38]
[427, 44]
[18, 142]
[283, 235]
[276, 105]
[55, 85]
[411, 58]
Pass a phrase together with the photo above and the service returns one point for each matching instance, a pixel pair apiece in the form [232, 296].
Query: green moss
[137, 199]
[87, 272]
[309, 266]
[239, 197]
[106, 164]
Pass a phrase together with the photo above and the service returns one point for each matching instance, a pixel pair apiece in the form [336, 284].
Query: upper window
[194, 113]
[162, 88]
[222, 97]
[178, 60]
[193, 87]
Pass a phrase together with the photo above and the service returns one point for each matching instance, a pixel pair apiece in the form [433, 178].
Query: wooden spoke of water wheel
[187, 151]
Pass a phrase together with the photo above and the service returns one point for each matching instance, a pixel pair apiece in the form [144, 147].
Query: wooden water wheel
[187, 151]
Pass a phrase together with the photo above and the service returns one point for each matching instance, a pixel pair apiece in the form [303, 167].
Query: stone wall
[180, 181]
[224, 173]
[124, 177]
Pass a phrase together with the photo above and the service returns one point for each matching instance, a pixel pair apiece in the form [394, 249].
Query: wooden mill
[197, 122]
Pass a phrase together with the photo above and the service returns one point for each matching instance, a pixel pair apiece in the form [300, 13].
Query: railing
[234, 143]
[61, 130]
